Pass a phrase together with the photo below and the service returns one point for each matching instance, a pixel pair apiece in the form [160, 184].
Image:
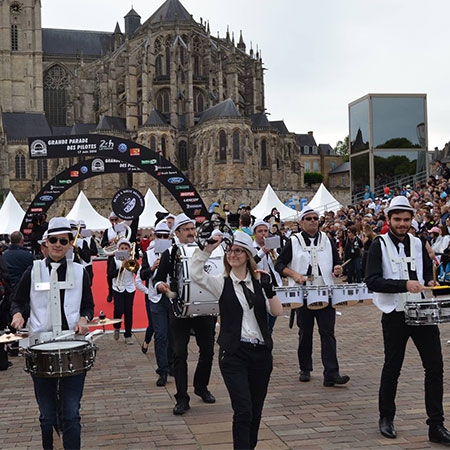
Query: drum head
[58, 345]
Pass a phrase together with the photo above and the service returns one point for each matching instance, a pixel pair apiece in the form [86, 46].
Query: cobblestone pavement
[122, 408]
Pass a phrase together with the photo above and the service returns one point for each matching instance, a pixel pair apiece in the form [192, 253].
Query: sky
[320, 55]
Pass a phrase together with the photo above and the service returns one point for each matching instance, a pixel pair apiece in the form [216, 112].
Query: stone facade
[166, 83]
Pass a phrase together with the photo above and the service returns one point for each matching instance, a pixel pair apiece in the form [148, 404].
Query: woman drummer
[245, 355]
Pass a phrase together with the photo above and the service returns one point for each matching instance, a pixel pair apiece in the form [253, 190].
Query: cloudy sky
[319, 55]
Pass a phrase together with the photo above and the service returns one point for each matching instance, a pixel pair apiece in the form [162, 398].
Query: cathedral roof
[155, 119]
[72, 42]
[132, 12]
[280, 126]
[24, 125]
[60, 131]
[112, 123]
[259, 120]
[171, 11]
[305, 139]
[83, 128]
[227, 108]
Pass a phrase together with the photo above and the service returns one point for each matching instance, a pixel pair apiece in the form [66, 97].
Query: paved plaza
[122, 408]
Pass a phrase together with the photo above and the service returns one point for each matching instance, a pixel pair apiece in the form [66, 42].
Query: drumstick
[434, 274]
[346, 262]
[430, 288]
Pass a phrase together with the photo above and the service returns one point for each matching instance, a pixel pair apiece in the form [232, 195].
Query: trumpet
[132, 265]
[111, 249]
[74, 243]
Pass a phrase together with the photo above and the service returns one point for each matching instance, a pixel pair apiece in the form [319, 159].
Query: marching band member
[398, 267]
[109, 238]
[123, 287]
[158, 307]
[313, 253]
[80, 252]
[77, 309]
[204, 327]
[245, 355]
[265, 259]
[90, 249]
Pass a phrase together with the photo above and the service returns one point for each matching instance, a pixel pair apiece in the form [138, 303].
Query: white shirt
[215, 284]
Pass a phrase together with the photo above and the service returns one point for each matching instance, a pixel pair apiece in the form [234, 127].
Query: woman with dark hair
[245, 357]
[367, 238]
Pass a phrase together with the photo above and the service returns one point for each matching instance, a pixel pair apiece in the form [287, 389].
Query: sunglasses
[236, 251]
[162, 236]
[311, 218]
[54, 240]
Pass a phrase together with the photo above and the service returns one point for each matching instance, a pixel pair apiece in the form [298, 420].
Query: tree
[312, 178]
[342, 149]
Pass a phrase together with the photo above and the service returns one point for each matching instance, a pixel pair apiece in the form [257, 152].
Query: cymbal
[103, 322]
[11, 337]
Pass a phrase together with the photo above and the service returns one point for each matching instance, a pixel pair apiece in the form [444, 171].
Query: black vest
[231, 317]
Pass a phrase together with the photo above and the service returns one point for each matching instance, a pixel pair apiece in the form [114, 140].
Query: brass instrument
[132, 265]
[74, 243]
[109, 250]
[273, 256]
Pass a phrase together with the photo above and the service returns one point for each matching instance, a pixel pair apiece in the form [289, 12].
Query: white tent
[270, 200]
[324, 201]
[11, 215]
[152, 206]
[82, 209]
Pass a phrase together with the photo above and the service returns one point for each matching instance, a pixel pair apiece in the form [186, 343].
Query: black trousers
[426, 339]
[204, 327]
[123, 305]
[326, 319]
[246, 374]
[90, 271]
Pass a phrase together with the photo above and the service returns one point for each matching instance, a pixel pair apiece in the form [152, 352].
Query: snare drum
[428, 312]
[344, 295]
[57, 359]
[365, 297]
[291, 297]
[193, 300]
[316, 297]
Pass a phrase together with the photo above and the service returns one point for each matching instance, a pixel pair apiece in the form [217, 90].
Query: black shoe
[171, 373]
[109, 298]
[162, 380]
[143, 349]
[338, 379]
[439, 434]
[305, 375]
[206, 396]
[387, 428]
[181, 407]
[8, 365]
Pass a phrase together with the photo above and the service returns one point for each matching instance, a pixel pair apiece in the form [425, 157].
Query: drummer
[77, 309]
[396, 276]
[296, 262]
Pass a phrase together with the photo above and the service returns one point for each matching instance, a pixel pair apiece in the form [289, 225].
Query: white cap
[82, 223]
[244, 240]
[113, 214]
[181, 219]
[307, 210]
[59, 225]
[401, 203]
[259, 223]
[124, 241]
[73, 223]
[162, 227]
[415, 224]
[44, 238]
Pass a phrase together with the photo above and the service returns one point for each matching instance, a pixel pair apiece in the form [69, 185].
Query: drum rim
[79, 344]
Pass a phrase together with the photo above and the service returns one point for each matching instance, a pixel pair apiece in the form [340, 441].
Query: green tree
[342, 148]
[312, 178]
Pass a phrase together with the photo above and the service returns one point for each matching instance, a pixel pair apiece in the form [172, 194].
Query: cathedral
[166, 83]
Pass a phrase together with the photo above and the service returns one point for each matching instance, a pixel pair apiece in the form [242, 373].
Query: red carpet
[100, 292]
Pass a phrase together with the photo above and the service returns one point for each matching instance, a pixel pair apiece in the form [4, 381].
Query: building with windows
[166, 82]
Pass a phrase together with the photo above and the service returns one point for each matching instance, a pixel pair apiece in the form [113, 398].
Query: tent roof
[152, 206]
[324, 201]
[82, 209]
[270, 200]
[11, 215]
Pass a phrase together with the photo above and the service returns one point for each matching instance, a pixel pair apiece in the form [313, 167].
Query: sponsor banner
[191, 200]
[183, 186]
[27, 231]
[39, 204]
[135, 151]
[200, 219]
[128, 203]
[46, 198]
[187, 194]
[74, 173]
[35, 210]
[175, 180]
[193, 206]
[84, 170]
[65, 181]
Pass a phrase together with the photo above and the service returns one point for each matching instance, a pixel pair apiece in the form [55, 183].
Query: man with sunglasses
[307, 253]
[157, 305]
[77, 309]
[203, 326]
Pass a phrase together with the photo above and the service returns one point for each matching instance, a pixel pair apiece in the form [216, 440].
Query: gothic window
[162, 101]
[163, 147]
[263, 153]
[222, 146]
[196, 44]
[157, 46]
[197, 66]
[182, 155]
[278, 164]
[236, 145]
[199, 101]
[153, 143]
[42, 169]
[14, 38]
[158, 65]
[56, 82]
[168, 57]
[20, 166]
[182, 61]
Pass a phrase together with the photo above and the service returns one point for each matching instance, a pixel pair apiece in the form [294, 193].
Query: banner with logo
[109, 154]
[128, 203]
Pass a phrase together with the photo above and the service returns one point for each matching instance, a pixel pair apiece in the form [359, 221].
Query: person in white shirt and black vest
[398, 268]
[307, 253]
[245, 355]
[77, 309]
[203, 326]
